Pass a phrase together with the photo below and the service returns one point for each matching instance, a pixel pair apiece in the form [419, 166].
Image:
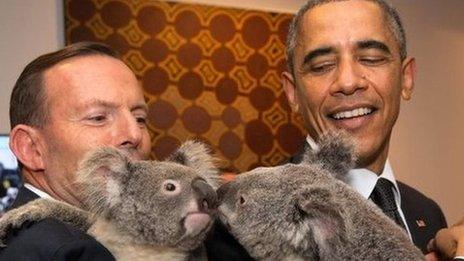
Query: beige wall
[428, 144]
[28, 28]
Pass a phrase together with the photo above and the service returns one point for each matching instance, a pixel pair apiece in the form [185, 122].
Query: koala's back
[367, 233]
[370, 234]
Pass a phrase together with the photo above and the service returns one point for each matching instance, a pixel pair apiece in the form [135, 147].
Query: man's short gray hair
[393, 19]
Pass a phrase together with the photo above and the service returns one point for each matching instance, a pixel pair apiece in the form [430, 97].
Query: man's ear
[319, 216]
[25, 144]
[408, 75]
[288, 83]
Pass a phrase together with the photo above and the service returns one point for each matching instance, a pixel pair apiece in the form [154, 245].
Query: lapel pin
[420, 223]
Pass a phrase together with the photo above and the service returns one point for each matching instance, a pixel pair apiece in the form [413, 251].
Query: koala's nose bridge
[205, 193]
[222, 191]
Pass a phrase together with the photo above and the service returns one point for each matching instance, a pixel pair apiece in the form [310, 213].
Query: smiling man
[349, 69]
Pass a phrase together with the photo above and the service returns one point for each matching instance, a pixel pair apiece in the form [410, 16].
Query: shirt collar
[312, 144]
[364, 180]
[37, 191]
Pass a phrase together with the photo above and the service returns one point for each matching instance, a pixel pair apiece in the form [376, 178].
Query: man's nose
[349, 78]
[130, 133]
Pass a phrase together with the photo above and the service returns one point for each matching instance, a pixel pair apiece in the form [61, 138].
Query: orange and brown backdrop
[209, 73]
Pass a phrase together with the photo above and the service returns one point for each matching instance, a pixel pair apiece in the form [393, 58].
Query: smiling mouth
[350, 114]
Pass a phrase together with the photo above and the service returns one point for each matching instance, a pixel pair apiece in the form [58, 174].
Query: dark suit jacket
[222, 246]
[423, 216]
[50, 239]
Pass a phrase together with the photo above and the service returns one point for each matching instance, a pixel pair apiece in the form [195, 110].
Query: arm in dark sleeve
[50, 239]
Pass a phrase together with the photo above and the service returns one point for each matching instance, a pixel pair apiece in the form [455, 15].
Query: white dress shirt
[364, 180]
[37, 191]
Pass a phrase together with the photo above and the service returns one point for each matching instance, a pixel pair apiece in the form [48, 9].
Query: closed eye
[373, 60]
[97, 119]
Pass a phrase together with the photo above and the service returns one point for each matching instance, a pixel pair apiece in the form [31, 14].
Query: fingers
[431, 257]
[448, 242]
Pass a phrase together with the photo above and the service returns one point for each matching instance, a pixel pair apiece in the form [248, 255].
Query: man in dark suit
[348, 69]
[63, 105]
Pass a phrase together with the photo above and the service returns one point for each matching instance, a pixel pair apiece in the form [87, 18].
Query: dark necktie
[383, 197]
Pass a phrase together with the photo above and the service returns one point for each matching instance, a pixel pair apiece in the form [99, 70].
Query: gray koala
[139, 210]
[307, 212]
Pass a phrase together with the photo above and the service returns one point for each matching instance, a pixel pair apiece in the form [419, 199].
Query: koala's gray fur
[305, 212]
[129, 207]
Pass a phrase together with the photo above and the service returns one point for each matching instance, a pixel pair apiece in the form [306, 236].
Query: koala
[307, 212]
[139, 210]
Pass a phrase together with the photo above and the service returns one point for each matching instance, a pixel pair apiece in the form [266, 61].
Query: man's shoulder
[414, 197]
[423, 215]
[52, 239]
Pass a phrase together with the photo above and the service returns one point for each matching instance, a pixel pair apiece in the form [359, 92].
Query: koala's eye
[241, 200]
[169, 186]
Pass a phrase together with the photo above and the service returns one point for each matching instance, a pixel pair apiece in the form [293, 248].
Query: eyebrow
[105, 104]
[373, 44]
[317, 52]
[140, 106]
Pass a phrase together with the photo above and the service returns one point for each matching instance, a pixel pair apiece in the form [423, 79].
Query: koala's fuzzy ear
[336, 153]
[196, 155]
[318, 220]
[99, 176]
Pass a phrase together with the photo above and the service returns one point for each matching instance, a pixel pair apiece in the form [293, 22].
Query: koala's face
[162, 203]
[260, 207]
[165, 203]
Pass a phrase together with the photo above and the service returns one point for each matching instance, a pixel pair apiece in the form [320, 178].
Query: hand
[448, 243]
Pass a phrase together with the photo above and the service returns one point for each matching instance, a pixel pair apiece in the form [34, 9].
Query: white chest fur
[123, 248]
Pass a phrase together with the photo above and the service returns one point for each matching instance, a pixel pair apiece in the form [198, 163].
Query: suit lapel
[24, 196]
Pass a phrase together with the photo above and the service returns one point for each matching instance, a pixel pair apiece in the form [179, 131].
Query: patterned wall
[208, 72]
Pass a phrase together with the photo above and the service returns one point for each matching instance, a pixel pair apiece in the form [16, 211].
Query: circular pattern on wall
[151, 20]
[162, 114]
[222, 28]
[187, 24]
[116, 14]
[190, 86]
[155, 81]
[196, 120]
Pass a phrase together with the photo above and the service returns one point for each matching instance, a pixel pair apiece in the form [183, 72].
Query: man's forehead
[343, 22]
[82, 67]
[90, 78]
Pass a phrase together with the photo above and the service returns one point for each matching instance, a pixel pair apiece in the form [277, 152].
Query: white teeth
[352, 113]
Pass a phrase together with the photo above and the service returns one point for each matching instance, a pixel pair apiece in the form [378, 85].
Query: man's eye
[98, 118]
[142, 120]
[321, 68]
[372, 60]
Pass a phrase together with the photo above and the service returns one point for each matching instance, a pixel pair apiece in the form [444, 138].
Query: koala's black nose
[206, 195]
